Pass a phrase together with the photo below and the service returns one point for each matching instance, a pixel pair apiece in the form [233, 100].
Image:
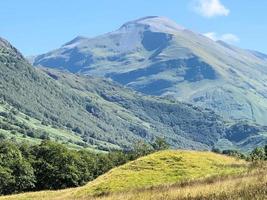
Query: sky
[35, 27]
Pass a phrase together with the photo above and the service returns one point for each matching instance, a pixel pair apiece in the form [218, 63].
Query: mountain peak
[156, 23]
[75, 40]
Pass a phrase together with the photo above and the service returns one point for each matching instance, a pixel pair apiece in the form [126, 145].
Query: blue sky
[36, 27]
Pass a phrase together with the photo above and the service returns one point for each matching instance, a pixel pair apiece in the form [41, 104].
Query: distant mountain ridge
[156, 56]
[102, 114]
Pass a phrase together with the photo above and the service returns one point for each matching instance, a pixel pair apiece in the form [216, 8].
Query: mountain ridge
[102, 114]
[188, 66]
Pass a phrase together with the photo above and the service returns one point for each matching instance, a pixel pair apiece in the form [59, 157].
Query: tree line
[257, 154]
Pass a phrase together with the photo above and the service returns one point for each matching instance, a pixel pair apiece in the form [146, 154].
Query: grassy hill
[247, 187]
[160, 169]
[165, 167]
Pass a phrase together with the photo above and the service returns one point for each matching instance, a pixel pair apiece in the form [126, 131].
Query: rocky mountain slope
[156, 56]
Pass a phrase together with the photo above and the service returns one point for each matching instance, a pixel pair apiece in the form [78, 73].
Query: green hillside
[161, 168]
[15, 125]
[98, 113]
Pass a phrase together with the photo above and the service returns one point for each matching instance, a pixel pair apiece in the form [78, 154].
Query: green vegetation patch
[166, 167]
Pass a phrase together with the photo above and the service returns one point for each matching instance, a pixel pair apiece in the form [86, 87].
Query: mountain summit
[156, 56]
[154, 23]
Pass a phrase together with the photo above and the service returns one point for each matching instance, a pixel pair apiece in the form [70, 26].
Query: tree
[77, 130]
[257, 154]
[45, 136]
[216, 150]
[24, 176]
[234, 153]
[6, 180]
[56, 166]
[17, 174]
[160, 144]
[117, 158]
[2, 137]
[141, 149]
[265, 149]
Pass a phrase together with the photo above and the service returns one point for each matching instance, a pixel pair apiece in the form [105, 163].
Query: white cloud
[211, 35]
[210, 8]
[227, 37]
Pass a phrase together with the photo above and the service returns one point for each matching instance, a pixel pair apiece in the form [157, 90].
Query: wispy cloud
[211, 35]
[210, 8]
[227, 37]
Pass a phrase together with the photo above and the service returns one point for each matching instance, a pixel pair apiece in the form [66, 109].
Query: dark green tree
[141, 149]
[2, 137]
[257, 154]
[265, 149]
[17, 174]
[56, 166]
[160, 144]
[6, 180]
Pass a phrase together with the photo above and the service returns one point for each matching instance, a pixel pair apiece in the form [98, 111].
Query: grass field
[248, 187]
[166, 175]
[165, 167]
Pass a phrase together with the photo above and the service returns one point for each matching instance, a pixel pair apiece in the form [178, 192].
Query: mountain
[155, 56]
[98, 113]
[92, 111]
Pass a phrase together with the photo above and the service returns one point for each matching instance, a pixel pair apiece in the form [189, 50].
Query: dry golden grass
[249, 186]
[253, 186]
[165, 167]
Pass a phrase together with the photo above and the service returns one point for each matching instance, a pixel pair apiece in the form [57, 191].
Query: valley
[98, 113]
[136, 100]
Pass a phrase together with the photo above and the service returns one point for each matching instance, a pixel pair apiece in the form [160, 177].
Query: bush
[258, 154]
[2, 137]
[160, 144]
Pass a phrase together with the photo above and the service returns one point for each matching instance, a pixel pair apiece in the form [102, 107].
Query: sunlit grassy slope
[162, 168]
[248, 187]
[55, 133]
